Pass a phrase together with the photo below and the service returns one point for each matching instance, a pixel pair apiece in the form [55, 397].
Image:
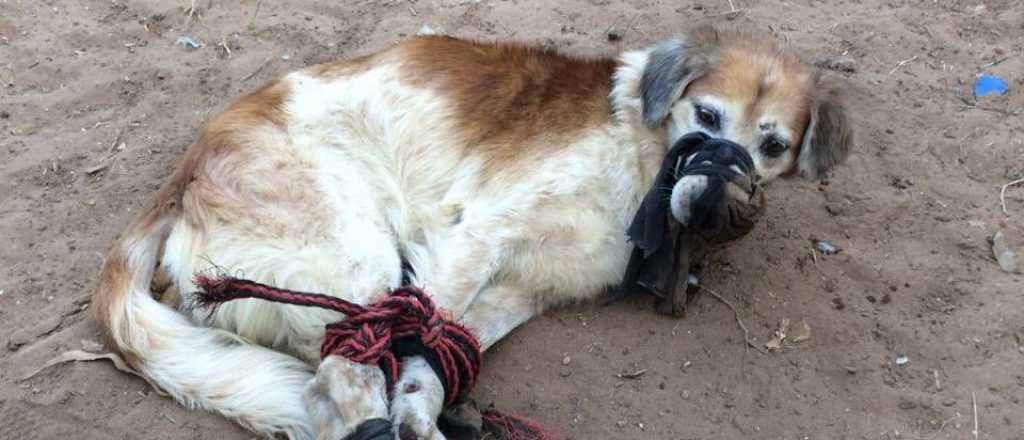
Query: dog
[503, 175]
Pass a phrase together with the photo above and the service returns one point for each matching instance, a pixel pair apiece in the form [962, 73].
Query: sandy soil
[97, 101]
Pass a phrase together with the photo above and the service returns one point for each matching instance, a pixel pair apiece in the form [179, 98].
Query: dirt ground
[97, 101]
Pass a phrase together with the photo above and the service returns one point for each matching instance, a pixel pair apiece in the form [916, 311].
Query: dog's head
[745, 89]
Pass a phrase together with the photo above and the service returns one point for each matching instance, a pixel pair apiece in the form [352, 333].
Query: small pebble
[948, 402]
[685, 394]
[851, 370]
[1005, 256]
[614, 34]
[17, 340]
[902, 359]
[838, 304]
[827, 248]
[621, 423]
[566, 360]
[907, 405]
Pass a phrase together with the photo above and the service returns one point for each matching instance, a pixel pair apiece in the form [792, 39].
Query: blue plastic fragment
[986, 85]
[188, 42]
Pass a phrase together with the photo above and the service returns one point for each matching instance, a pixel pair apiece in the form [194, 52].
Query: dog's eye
[707, 117]
[774, 147]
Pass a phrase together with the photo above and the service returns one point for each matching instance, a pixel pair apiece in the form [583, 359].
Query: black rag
[663, 246]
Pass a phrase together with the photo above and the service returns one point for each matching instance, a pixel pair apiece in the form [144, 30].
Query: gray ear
[829, 134]
[671, 66]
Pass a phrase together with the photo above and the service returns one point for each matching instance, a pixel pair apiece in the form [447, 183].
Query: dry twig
[1002, 194]
[996, 62]
[736, 313]
[974, 402]
[258, 69]
[901, 63]
[224, 45]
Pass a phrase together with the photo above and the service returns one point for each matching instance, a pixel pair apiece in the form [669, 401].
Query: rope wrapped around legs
[371, 334]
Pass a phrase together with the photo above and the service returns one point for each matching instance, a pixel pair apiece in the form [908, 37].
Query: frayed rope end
[511, 427]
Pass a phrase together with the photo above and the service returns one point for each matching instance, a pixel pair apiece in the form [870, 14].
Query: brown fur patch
[510, 99]
[335, 69]
[755, 74]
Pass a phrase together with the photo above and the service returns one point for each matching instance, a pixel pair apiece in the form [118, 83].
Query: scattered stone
[614, 34]
[902, 359]
[838, 304]
[827, 248]
[566, 360]
[685, 394]
[906, 404]
[948, 402]
[621, 423]
[565, 373]
[17, 340]
[1005, 256]
[850, 370]
[886, 299]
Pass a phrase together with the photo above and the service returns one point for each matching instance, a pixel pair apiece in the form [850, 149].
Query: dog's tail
[199, 366]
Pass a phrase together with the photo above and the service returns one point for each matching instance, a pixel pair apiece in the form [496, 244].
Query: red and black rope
[371, 335]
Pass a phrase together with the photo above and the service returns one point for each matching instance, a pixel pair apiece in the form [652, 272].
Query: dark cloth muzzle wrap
[663, 246]
[372, 429]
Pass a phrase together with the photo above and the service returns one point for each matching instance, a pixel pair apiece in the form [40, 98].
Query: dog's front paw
[417, 402]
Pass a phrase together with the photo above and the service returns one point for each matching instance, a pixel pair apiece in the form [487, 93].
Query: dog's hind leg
[419, 394]
[343, 395]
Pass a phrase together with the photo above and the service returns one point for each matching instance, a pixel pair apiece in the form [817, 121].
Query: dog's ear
[829, 134]
[671, 66]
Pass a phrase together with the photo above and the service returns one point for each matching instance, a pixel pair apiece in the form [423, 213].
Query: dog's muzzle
[717, 192]
[705, 192]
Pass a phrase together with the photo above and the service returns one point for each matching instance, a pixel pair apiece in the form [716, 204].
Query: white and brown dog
[504, 175]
